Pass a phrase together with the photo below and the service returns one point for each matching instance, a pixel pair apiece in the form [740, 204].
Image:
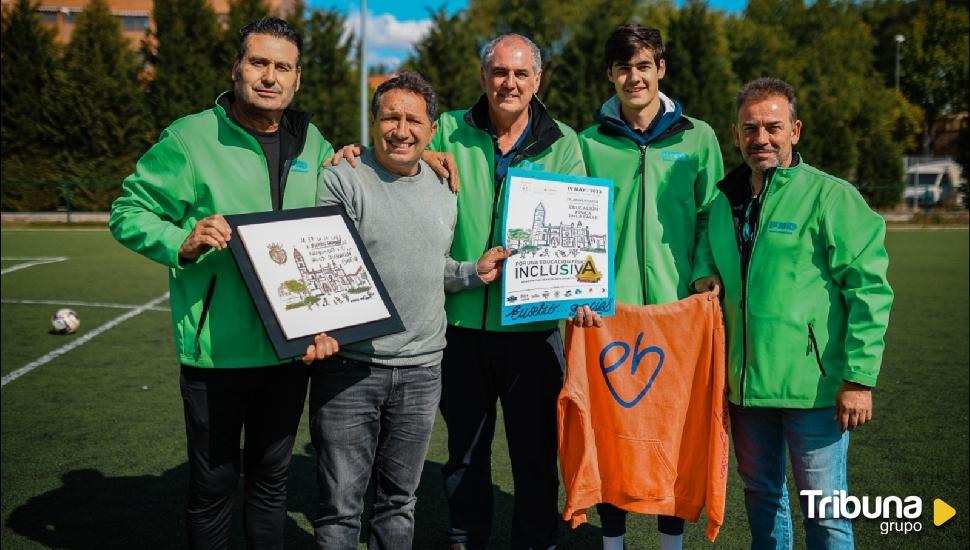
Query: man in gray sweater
[373, 404]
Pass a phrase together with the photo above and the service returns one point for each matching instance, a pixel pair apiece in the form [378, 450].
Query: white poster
[312, 274]
[557, 228]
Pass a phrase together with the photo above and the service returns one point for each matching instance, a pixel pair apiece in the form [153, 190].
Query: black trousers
[613, 520]
[266, 404]
[523, 371]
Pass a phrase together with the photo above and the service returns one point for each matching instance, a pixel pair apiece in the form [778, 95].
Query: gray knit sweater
[407, 224]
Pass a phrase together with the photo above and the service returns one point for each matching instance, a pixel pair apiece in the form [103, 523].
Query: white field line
[82, 340]
[30, 262]
[927, 228]
[79, 304]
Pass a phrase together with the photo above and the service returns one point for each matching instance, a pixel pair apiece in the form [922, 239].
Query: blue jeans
[366, 418]
[819, 452]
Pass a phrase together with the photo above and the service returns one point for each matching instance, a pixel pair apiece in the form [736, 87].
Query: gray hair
[489, 50]
[762, 88]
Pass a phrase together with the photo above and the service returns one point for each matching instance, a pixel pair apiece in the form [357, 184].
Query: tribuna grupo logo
[898, 514]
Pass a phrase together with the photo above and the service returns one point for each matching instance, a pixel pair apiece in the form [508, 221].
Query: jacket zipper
[284, 172]
[643, 239]
[205, 313]
[744, 283]
[813, 346]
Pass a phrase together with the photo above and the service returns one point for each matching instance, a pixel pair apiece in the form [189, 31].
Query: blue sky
[392, 26]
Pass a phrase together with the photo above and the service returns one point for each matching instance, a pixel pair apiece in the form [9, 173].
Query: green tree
[241, 12]
[963, 157]
[656, 14]
[854, 125]
[933, 59]
[328, 81]
[548, 23]
[28, 65]
[185, 54]
[297, 17]
[447, 57]
[764, 43]
[581, 84]
[934, 73]
[699, 73]
[887, 124]
[101, 106]
[834, 94]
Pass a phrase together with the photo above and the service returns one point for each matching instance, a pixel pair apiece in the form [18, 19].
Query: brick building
[135, 16]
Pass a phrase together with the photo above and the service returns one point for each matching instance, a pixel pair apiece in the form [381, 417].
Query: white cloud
[379, 58]
[386, 32]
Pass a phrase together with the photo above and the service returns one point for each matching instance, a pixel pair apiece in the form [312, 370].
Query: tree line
[84, 112]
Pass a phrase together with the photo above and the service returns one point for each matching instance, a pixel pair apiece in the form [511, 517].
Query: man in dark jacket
[485, 361]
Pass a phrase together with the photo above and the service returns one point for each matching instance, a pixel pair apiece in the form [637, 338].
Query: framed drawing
[558, 230]
[308, 272]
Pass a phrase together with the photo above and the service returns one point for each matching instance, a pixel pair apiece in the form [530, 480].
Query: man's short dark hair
[273, 26]
[409, 82]
[763, 88]
[627, 40]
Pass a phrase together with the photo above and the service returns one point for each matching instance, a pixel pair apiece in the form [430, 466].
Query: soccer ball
[65, 321]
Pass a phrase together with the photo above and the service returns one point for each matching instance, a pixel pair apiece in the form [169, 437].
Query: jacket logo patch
[673, 156]
[300, 167]
[632, 380]
[785, 228]
[538, 167]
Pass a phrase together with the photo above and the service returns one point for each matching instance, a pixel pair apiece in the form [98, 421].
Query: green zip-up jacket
[205, 164]
[815, 307]
[664, 183]
[549, 146]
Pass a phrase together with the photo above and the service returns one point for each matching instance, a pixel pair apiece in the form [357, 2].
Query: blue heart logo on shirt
[638, 356]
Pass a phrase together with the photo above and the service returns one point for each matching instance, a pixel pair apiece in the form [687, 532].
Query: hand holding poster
[558, 230]
[307, 272]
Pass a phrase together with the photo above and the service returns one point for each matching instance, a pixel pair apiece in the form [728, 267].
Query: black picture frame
[287, 348]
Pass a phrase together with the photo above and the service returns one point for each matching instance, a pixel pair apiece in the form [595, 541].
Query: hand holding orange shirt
[642, 418]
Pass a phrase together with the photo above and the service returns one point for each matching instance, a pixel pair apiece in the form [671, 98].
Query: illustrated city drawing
[323, 283]
[563, 240]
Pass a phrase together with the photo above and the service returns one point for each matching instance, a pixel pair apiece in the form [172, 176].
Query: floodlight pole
[899, 41]
[364, 138]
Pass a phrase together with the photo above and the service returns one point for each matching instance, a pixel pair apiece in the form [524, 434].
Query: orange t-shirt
[642, 421]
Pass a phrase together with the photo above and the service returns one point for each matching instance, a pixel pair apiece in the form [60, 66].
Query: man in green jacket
[521, 365]
[664, 166]
[248, 153]
[806, 306]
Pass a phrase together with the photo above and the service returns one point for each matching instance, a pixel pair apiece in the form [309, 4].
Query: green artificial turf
[93, 451]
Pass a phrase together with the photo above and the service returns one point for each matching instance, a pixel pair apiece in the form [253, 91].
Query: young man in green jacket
[664, 166]
[806, 306]
[248, 153]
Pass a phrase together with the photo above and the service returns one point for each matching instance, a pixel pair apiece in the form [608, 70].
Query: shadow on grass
[93, 512]
[431, 511]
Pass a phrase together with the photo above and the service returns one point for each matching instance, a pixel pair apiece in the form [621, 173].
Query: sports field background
[93, 451]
